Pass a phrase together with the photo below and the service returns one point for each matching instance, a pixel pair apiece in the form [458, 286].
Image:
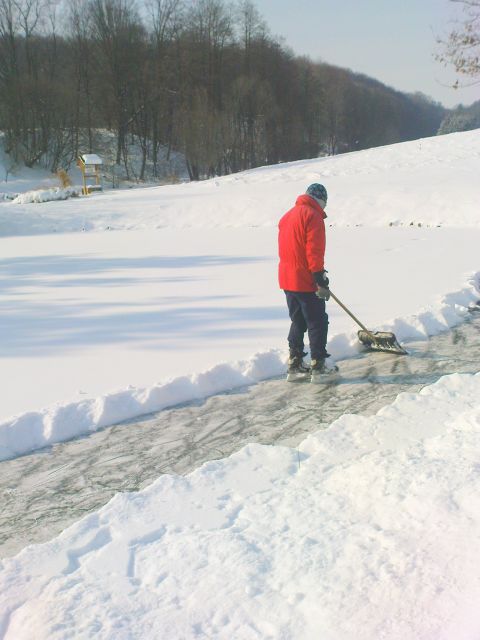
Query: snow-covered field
[123, 303]
[179, 298]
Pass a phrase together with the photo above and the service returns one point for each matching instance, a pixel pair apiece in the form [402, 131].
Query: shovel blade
[381, 341]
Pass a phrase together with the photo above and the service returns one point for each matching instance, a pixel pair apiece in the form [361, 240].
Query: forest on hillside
[202, 77]
[461, 119]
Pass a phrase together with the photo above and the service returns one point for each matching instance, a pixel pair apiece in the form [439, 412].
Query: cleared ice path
[42, 493]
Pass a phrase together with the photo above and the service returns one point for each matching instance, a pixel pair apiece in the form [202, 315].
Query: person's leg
[298, 325]
[316, 319]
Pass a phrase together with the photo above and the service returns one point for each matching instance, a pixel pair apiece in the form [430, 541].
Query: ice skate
[322, 371]
[297, 369]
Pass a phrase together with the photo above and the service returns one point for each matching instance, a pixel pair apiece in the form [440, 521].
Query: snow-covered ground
[371, 529]
[99, 327]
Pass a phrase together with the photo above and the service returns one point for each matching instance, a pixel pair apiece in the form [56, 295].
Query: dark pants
[307, 313]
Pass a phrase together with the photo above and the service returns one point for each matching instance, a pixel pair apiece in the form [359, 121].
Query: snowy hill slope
[433, 181]
[183, 301]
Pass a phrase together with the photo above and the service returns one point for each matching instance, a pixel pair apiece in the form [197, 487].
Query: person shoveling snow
[302, 275]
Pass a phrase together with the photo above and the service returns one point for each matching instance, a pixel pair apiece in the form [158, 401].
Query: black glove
[322, 282]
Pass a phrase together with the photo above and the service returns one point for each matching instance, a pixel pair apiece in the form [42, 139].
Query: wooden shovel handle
[351, 314]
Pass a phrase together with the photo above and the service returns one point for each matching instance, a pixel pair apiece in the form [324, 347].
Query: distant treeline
[203, 77]
[461, 119]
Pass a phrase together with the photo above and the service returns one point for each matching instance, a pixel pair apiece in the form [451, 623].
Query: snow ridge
[38, 429]
[47, 195]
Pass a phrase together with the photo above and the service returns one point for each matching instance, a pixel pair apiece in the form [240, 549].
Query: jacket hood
[308, 201]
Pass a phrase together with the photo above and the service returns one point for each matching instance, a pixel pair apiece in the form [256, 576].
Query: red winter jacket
[301, 245]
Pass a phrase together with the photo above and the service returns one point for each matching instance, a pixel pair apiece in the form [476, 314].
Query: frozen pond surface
[44, 492]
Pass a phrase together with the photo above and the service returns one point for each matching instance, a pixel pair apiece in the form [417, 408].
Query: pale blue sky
[393, 41]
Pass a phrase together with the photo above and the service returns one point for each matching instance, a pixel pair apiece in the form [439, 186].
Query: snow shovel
[378, 341]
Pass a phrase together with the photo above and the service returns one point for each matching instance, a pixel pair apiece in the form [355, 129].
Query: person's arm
[315, 243]
[316, 255]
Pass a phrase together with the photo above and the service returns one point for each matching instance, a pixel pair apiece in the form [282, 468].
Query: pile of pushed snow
[61, 422]
[47, 195]
[369, 530]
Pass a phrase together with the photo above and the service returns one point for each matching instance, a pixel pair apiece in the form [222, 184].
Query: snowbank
[369, 530]
[55, 424]
[47, 195]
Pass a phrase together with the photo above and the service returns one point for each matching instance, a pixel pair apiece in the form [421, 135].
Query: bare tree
[118, 33]
[164, 15]
[200, 76]
[26, 104]
[251, 27]
[78, 31]
[165, 27]
[462, 48]
[210, 29]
